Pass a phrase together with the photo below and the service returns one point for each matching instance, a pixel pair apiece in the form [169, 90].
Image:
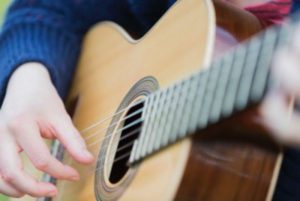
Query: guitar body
[168, 52]
[211, 167]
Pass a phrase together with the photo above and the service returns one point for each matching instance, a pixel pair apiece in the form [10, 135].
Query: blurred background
[3, 6]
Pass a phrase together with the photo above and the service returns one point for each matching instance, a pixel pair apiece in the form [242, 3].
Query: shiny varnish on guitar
[168, 130]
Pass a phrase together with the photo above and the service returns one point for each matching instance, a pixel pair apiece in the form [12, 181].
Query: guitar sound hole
[131, 126]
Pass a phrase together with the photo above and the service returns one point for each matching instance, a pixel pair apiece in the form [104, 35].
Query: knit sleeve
[148, 11]
[40, 31]
[51, 31]
[296, 6]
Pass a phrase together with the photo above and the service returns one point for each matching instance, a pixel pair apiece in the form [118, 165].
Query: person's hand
[278, 111]
[31, 111]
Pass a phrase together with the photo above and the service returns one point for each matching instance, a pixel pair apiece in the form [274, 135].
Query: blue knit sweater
[51, 31]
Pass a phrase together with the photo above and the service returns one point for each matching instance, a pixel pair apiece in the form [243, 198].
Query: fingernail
[75, 178]
[73, 175]
[87, 154]
[52, 193]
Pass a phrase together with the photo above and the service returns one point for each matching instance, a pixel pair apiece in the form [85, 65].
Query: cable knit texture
[51, 31]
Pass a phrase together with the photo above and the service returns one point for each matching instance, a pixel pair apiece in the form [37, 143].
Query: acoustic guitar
[166, 123]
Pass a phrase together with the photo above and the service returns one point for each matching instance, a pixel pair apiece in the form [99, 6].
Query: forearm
[31, 34]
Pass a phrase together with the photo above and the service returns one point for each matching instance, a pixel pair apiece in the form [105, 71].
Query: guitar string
[70, 159]
[119, 149]
[122, 138]
[112, 133]
[93, 170]
[135, 131]
[114, 160]
[134, 123]
[111, 116]
[112, 125]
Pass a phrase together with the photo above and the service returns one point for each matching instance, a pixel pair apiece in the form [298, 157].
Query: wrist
[29, 76]
[30, 72]
[28, 79]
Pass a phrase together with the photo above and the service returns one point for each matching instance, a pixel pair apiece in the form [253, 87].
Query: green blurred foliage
[3, 6]
[2, 198]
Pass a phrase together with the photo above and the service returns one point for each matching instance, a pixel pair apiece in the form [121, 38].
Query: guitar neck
[231, 84]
